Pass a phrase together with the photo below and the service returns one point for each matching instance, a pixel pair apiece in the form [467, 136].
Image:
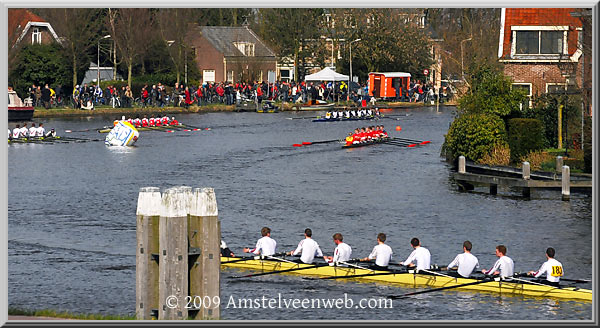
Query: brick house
[25, 27]
[231, 54]
[541, 49]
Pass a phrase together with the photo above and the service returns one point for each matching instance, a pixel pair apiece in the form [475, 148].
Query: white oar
[280, 259]
[437, 273]
[537, 283]
[356, 266]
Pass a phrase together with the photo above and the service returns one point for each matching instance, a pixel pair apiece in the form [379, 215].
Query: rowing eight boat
[151, 128]
[414, 279]
[337, 119]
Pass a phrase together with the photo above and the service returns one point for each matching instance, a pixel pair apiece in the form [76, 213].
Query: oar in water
[577, 281]
[302, 118]
[87, 130]
[306, 143]
[399, 144]
[193, 127]
[412, 140]
[441, 288]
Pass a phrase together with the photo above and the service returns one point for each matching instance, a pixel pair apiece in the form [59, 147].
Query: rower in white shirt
[32, 130]
[24, 133]
[341, 253]
[504, 266]
[40, 130]
[308, 247]
[382, 254]
[466, 262]
[420, 255]
[552, 268]
[16, 132]
[265, 245]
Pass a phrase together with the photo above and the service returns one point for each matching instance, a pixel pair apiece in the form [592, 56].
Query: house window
[527, 88]
[539, 42]
[230, 76]
[36, 36]
[246, 48]
[208, 75]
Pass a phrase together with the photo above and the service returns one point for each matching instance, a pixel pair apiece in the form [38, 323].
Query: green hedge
[524, 135]
[474, 136]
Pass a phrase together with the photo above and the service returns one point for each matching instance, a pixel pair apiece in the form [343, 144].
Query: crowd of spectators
[159, 95]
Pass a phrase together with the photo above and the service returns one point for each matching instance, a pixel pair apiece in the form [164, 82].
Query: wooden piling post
[146, 265]
[559, 164]
[205, 265]
[526, 171]
[493, 189]
[566, 182]
[173, 244]
[462, 167]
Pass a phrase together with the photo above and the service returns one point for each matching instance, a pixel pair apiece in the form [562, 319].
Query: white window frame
[36, 36]
[246, 48]
[556, 83]
[204, 72]
[530, 90]
[539, 29]
[230, 76]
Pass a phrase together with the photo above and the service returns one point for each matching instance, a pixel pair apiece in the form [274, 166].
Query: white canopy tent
[326, 74]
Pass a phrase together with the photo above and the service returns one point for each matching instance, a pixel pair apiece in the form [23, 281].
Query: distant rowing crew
[465, 263]
[359, 113]
[149, 122]
[366, 134]
[32, 132]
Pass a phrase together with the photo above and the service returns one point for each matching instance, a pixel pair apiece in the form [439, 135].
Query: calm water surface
[71, 211]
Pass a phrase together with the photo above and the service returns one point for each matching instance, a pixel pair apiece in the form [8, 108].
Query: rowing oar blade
[297, 145]
[425, 142]
[439, 289]
[412, 145]
[304, 143]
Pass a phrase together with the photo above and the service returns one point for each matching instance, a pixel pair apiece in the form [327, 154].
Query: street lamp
[98, 63]
[567, 69]
[170, 43]
[350, 83]
[462, 63]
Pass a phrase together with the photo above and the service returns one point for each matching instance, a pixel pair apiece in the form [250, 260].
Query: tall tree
[131, 26]
[292, 32]
[80, 29]
[173, 25]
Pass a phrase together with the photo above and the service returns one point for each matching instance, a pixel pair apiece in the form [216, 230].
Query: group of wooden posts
[177, 254]
[465, 179]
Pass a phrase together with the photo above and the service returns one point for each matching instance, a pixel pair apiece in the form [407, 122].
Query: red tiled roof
[18, 19]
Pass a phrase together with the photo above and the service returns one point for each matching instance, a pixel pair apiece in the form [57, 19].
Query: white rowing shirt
[309, 249]
[32, 131]
[420, 255]
[40, 131]
[342, 253]
[553, 270]
[382, 254]
[466, 263]
[505, 265]
[265, 246]
[24, 132]
[16, 133]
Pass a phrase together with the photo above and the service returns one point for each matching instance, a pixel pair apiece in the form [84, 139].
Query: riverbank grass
[67, 315]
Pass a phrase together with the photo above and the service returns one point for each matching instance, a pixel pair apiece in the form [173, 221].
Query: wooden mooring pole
[566, 183]
[178, 254]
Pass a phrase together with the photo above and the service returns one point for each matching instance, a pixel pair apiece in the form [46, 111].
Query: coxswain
[16, 132]
[265, 245]
[145, 121]
[350, 139]
[420, 255]
[225, 251]
[552, 268]
[328, 115]
[381, 253]
[174, 121]
[383, 133]
[377, 113]
[32, 130]
[40, 130]
[504, 266]
[342, 250]
[464, 262]
[308, 248]
[51, 133]
[115, 122]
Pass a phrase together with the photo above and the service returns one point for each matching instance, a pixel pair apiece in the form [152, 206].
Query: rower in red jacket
[174, 121]
[145, 121]
[151, 121]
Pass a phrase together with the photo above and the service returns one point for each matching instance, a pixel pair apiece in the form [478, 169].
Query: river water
[71, 212]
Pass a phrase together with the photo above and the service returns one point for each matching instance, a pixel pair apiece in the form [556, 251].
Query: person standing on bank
[466, 262]
[420, 255]
[308, 247]
[552, 268]
[382, 254]
[265, 245]
[504, 266]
